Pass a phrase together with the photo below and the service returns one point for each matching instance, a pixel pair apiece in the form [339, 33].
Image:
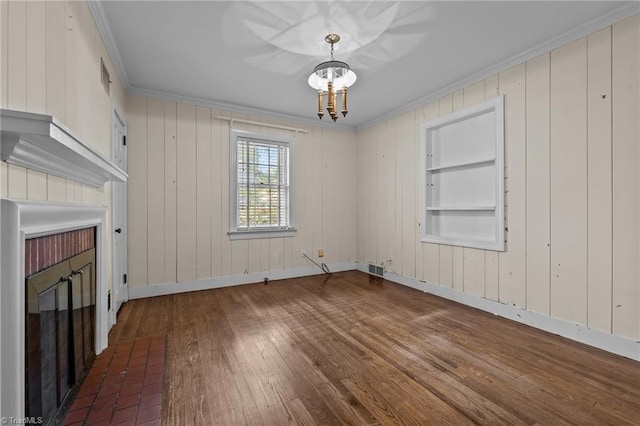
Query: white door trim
[116, 298]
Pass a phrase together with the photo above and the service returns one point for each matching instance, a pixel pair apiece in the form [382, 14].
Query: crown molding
[237, 108]
[95, 6]
[616, 15]
[97, 11]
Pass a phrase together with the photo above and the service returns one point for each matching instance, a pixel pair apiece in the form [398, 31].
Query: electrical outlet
[320, 252]
[303, 253]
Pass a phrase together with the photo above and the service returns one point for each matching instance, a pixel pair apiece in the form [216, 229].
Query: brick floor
[123, 387]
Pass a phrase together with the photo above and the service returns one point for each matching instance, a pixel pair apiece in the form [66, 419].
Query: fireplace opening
[60, 320]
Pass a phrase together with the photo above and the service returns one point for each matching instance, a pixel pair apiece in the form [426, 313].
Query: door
[119, 221]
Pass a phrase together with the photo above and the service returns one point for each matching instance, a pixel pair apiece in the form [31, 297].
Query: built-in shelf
[455, 241]
[463, 164]
[462, 167]
[42, 143]
[464, 208]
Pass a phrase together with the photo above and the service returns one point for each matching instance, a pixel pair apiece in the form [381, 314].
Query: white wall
[50, 64]
[572, 188]
[178, 205]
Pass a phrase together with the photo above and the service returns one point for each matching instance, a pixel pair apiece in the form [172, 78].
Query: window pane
[274, 175]
[274, 155]
[275, 208]
[261, 155]
[262, 184]
[242, 151]
[261, 176]
[242, 174]
[242, 217]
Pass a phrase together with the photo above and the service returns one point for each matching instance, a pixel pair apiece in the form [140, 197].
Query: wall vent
[376, 270]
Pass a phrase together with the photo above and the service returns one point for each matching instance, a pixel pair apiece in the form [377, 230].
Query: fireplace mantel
[42, 143]
[27, 219]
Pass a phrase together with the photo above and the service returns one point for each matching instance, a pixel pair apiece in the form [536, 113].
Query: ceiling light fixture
[331, 77]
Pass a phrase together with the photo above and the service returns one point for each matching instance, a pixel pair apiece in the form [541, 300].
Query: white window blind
[261, 187]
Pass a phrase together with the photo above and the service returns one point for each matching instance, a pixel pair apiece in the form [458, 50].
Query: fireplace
[60, 320]
[35, 300]
[42, 143]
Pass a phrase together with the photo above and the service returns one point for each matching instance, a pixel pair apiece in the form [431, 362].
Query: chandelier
[331, 77]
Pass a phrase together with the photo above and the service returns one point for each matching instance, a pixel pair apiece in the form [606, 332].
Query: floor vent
[376, 270]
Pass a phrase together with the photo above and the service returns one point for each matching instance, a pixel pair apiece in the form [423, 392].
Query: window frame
[264, 232]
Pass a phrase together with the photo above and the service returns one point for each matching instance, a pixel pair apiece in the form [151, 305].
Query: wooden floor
[355, 350]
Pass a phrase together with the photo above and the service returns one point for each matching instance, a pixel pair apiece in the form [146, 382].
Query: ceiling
[258, 55]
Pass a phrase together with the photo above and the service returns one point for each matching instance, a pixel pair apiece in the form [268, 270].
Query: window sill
[262, 233]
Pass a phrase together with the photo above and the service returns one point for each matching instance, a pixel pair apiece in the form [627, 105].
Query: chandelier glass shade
[336, 71]
[330, 78]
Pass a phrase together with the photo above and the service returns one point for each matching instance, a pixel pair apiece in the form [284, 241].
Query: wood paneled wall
[572, 188]
[50, 64]
[178, 206]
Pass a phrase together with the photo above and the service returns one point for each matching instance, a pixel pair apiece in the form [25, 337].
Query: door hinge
[109, 301]
[124, 140]
[124, 279]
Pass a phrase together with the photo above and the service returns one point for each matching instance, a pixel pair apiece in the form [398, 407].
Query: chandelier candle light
[331, 77]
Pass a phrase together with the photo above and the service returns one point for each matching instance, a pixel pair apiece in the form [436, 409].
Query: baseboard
[152, 290]
[611, 343]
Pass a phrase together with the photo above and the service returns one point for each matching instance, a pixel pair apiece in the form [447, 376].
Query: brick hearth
[124, 386]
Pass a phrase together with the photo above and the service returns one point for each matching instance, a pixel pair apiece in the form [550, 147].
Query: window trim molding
[265, 232]
[262, 233]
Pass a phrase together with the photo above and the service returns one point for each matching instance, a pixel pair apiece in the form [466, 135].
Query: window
[260, 205]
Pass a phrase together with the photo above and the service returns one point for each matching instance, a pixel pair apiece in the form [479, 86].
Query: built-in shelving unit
[462, 160]
[42, 143]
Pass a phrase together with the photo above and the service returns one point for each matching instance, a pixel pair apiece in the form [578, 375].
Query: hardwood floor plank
[342, 404]
[351, 349]
[187, 401]
[288, 337]
[300, 413]
[438, 377]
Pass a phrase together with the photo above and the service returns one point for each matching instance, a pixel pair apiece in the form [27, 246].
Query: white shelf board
[462, 242]
[464, 164]
[462, 208]
[42, 143]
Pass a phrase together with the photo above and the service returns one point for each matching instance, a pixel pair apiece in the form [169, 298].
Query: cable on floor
[323, 266]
